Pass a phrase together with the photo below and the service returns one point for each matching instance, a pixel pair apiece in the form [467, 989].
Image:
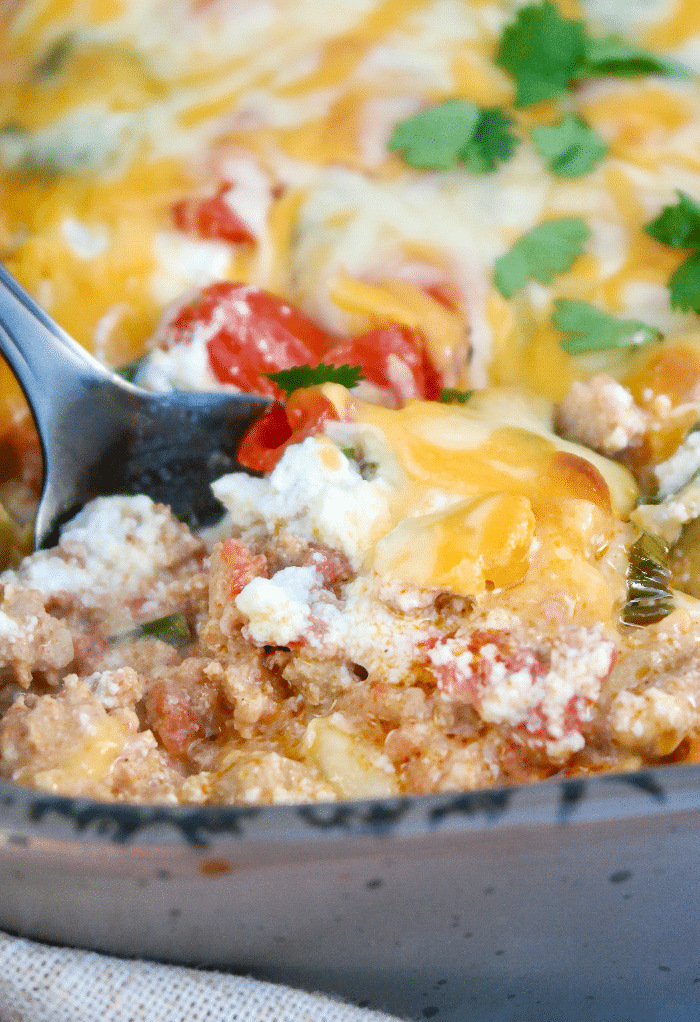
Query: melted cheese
[307, 88]
[89, 760]
[500, 446]
[479, 494]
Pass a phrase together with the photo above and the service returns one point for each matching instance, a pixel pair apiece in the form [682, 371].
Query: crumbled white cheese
[677, 470]
[653, 720]
[278, 608]
[366, 631]
[547, 705]
[116, 689]
[359, 628]
[113, 548]
[601, 413]
[668, 518]
[181, 367]
[9, 628]
[315, 490]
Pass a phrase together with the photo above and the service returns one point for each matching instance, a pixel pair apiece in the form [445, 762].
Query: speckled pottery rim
[26, 814]
[445, 905]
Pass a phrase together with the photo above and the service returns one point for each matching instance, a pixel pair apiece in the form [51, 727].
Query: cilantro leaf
[541, 253]
[451, 396]
[492, 142]
[541, 50]
[432, 139]
[684, 285]
[311, 376]
[545, 53]
[570, 147]
[590, 329]
[679, 225]
[455, 132]
[613, 56]
[130, 370]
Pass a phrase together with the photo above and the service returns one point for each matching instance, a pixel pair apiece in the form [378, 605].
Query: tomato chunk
[242, 566]
[304, 414]
[392, 357]
[248, 333]
[211, 217]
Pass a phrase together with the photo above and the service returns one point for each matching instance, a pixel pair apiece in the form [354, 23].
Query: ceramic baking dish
[576, 899]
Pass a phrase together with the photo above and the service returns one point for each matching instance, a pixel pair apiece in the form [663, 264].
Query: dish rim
[28, 814]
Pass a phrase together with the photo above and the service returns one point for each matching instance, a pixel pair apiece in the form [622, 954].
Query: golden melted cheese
[473, 486]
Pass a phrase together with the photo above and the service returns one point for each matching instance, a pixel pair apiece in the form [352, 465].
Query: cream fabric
[39, 983]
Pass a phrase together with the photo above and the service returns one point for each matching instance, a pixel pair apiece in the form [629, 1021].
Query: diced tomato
[243, 567]
[304, 414]
[391, 356]
[174, 720]
[211, 217]
[332, 565]
[248, 333]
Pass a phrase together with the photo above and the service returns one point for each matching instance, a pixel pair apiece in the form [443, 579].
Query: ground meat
[602, 414]
[268, 778]
[295, 678]
[30, 639]
[184, 705]
[654, 691]
[70, 743]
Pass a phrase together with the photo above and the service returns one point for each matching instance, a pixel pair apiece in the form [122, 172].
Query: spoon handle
[43, 357]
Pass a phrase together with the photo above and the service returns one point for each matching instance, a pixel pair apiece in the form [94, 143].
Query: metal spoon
[101, 435]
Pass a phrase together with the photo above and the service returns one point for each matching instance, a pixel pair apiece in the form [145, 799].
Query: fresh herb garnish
[542, 51]
[311, 376]
[590, 329]
[649, 597]
[130, 370]
[570, 147]
[452, 396]
[541, 253]
[679, 227]
[455, 132]
[173, 629]
[684, 285]
[492, 142]
[613, 56]
[546, 53]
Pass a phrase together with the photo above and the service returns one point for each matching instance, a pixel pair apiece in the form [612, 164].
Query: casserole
[516, 849]
[445, 582]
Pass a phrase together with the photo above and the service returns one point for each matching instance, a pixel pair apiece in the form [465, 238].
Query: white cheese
[316, 489]
[181, 367]
[277, 608]
[116, 546]
[86, 242]
[184, 262]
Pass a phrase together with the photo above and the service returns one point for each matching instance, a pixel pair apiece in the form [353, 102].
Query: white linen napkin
[40, 983]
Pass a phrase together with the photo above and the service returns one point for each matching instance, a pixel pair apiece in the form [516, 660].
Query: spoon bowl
[101, 435]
